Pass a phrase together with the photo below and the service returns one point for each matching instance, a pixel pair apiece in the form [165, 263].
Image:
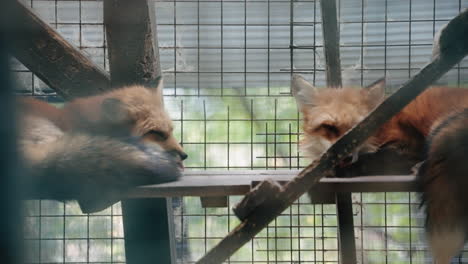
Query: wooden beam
[132, 42]
[134, 59]
[331, 42]
[453, 48]
[214, 201]
[53, 59]
[346, 236]
[220, 183]
[203, 184]
[146, 231]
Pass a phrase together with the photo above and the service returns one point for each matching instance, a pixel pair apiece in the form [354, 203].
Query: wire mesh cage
[227, 67]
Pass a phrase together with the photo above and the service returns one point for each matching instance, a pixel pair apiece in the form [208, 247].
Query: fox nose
[183, 155]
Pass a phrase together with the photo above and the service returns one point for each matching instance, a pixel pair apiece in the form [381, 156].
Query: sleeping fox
[94, 148]
[432, 129]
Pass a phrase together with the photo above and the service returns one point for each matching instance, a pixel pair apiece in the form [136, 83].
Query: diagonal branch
[453, 45]
[53, 59]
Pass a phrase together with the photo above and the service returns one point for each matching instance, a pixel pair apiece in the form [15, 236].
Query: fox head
[329, 113]
[134, 111]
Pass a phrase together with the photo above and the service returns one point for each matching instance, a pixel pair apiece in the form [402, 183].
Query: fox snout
[172, 146]
[178, 153]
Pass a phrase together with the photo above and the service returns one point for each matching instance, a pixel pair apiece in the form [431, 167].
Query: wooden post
[331, 42]
[346, 237]
[344, 205]
[146, 231]
[10, 206]
[134, 59]
[55, 61]
[214, 201]
[132, 41]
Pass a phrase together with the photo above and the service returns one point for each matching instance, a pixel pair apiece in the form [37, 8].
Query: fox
[429, 136]
[94, 148]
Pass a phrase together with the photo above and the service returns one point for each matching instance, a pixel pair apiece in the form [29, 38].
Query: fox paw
[416, 167]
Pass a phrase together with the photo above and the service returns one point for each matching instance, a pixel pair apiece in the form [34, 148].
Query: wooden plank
[10, 223]
[216, 184]
[134, 59]
[453, 48]
[318, 195]
[53, 59]
[202, 185]
[214, 201]
[132, 42]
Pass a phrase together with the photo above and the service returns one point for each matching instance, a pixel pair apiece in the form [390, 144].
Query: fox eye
[156, 135]
[330, 128]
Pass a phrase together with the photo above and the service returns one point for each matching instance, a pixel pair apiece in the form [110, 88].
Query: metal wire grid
[388, 230]
[60, 233]
[221, 48]
[249, 40]
[220, 134]
[227, 81]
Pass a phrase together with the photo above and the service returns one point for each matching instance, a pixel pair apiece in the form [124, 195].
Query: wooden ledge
[221, 183]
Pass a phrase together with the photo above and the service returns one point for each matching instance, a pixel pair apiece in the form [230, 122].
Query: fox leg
[396, 162]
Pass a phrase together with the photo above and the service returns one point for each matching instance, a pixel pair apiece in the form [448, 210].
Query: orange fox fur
[433, 128]
[95, 147]
[132, 111]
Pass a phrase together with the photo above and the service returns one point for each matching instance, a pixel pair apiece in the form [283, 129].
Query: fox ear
[303, 91]
[376, 90]
[114, 110]
[159, 89]
[159, 82]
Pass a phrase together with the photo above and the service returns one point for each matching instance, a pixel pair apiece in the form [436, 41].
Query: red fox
[94, 148]
[432, 129]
